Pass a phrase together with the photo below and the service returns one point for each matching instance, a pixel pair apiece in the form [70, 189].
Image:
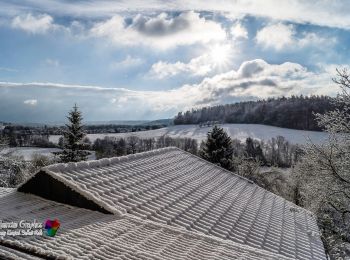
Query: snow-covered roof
[172, 187]
[87, 234]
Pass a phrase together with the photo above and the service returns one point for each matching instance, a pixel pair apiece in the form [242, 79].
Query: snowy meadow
[235, 131]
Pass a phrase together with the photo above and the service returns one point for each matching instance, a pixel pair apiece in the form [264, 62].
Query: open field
[237, 131]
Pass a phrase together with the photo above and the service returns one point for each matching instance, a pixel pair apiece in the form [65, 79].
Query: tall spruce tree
[218, 148]
[73, 137]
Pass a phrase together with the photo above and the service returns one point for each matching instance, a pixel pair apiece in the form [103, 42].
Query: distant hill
[117, 122]
[88, 123]
[165, 122]
[296, 112]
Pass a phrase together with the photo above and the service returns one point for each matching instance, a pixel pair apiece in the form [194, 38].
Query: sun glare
[221, 55]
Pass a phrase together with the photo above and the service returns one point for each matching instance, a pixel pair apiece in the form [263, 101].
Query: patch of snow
[28, 152]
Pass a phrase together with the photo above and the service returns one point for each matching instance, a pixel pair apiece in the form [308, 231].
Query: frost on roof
[86, 234]
[175, 188]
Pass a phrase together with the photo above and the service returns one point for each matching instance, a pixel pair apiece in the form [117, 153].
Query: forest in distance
[295, 112]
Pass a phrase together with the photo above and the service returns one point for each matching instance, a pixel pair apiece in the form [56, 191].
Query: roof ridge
[105, 161]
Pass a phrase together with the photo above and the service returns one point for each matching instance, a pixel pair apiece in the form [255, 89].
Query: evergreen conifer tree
[218, 148]
[72, 138]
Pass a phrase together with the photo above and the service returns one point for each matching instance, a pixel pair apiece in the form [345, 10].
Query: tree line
[38, 136]
[295, 112]
[112, 146]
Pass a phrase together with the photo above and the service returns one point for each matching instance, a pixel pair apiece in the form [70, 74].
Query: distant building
[163, 204]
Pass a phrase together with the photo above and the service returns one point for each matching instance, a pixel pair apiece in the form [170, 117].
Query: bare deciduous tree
[324, 173]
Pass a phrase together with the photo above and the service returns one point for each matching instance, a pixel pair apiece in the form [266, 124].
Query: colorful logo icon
[51, 227]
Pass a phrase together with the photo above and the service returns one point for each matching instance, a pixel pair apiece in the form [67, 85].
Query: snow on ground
[237, 131]
[28, 152]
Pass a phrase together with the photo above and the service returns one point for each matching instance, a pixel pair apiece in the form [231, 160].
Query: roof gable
[45, 186]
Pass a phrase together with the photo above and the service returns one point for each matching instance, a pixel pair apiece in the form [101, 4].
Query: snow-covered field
[28, 152]
[237, 131]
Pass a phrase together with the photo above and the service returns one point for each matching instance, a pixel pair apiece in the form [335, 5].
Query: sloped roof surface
[86, 234]
[173, 187]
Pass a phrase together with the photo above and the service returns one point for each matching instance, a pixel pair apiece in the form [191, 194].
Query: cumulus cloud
[277, 36]
[30, 102]
[35, 24]
[282, 36]
[198, 66]
[215, 58]
[162, 31]
[252, 80]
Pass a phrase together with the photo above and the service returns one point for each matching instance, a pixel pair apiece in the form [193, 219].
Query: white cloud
[277, 36]
[198, 66]
[258, 79]
[162, 31]
[215, 59]
[30, 102]
[282, 36]
[238, 31]
[38, 24]
[128, 62]
[318, 12]
[312, 39]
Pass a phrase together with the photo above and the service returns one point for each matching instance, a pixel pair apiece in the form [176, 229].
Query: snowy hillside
[237, 131]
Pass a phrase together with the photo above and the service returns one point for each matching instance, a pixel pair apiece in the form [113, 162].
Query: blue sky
[132, 60]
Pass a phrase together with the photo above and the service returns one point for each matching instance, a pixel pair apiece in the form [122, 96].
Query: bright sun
[221, 55]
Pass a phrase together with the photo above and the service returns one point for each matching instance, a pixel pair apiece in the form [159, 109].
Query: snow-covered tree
[3, 143]
[324, 173]
[12, 168]
[73, 138]
[132, 142]
[217, 148]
